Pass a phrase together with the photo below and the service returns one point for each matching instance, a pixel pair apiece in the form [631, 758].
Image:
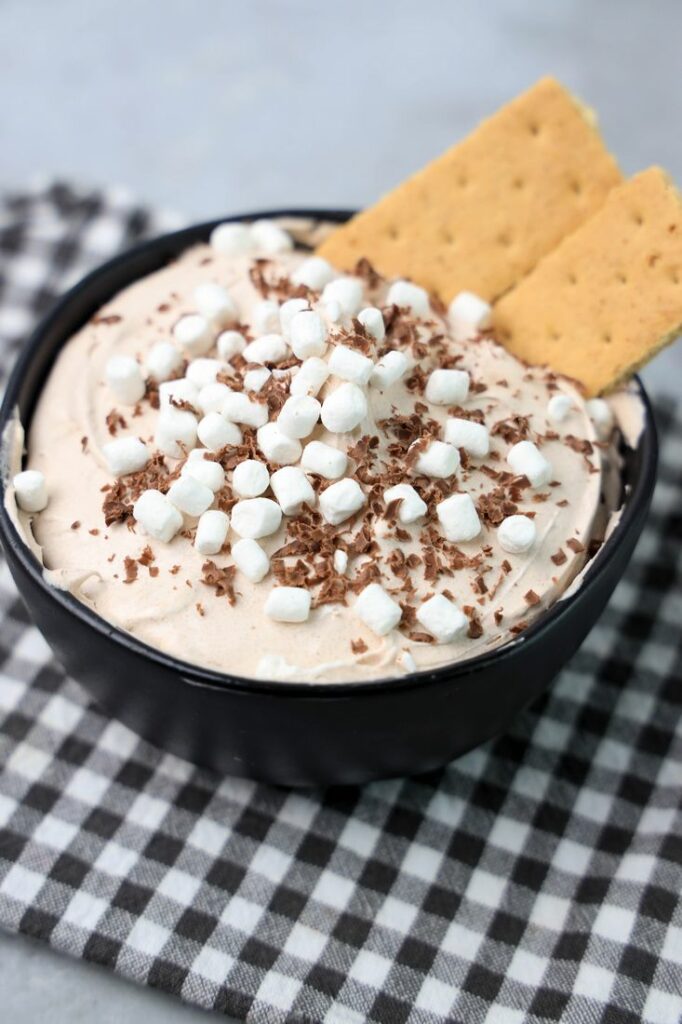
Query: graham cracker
[481, 216]
[610, 295]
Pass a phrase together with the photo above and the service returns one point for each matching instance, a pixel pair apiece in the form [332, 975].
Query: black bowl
[290, 733]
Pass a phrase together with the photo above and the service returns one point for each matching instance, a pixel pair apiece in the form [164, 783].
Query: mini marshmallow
[468, 434]
[212, 397]
[206, 471]
[527, 460]
[265, 316]
[308, 334]
[157, 515]
[341, 500]
[211, 531]
[292, 489]
[250, 559]
[344, 409]
[389, 369]
[324, 460]
[406, 662]
[125, 379]
[347, 291]
[468, 314]
[193, 333]
[349, 364]
[250, 478]
[256, 517]
[254, 380]
[238, 408]
[231, 239]
[439, 460]
[559, 407]
[340, 561]
[298, 416]
[288, 604]
[215, 304]
[516, 534]
[378, 611]
[442, 618]
[287, 312]
[411, 296]
[411, 506]
[30, 490]
[270, 237]
[176, 432]
[203, 371]
[310, 378]
[372, 319]
[215, 432]
[181, 389]
[125, 455]
[447, 387]
[189, 495]
[314, 273]
[333, 311]
[458, 518]
[276, 446]
[601, 415]
[163, 360]
[270, 348]
[230, 344]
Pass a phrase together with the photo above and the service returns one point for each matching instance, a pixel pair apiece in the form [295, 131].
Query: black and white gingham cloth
[539, 878]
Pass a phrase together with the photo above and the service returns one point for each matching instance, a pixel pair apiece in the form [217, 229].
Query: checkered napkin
[538, 878]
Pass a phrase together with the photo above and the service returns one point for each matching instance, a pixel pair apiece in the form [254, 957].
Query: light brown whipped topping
[203, 609]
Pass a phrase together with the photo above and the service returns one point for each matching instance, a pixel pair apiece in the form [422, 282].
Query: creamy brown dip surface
[203, 609]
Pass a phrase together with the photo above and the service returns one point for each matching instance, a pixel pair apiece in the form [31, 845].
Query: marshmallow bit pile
[324, 383]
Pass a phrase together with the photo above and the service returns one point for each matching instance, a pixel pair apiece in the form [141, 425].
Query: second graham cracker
[481, 216]
[610, 295]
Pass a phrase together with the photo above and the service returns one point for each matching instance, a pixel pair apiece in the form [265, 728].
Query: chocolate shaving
[114, 421]
[496, 506]
[559, 558]
[182, 404]
[332, 591]
[575, 545]
[417, 381]
[147, 556]
[421, 638]
[358, 646]
[222, 580]
[365, 271]
[111, 318]
[579, 444]
[530, 597]
[131, 569]
[475, 629]
[369, 573]
[120, 496]
[512, 430]
[270, 285]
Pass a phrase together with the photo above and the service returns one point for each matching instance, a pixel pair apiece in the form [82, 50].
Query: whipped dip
[203, 608]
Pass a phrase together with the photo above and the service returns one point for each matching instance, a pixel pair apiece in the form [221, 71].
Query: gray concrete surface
[223, 106]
